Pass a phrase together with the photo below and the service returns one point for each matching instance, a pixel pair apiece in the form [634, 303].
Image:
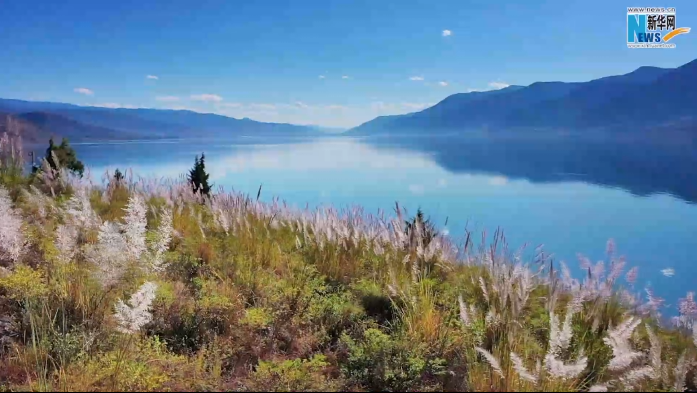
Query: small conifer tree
[65, 157]
[118, 176]
[198, 178]
[426, 228]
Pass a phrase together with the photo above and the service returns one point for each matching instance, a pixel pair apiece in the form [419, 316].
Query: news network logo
[652, 27]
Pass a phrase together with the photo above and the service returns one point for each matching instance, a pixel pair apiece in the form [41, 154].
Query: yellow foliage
[144, 365]
[24, 284]
[257, 317]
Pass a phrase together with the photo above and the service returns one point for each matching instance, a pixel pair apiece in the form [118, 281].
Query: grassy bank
[139, 285]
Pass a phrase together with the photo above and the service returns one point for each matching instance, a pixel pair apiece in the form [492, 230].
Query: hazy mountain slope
[19, 106]
[471, 110]
[155, 123]
[488, 110]
[441, 112]
[39, 127]
[670, 99]
[649, 97]
[16, 126]
[580, 107]
[51, 124]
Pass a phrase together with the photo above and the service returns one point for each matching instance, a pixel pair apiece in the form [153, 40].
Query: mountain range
[38, 121]
[649, 98]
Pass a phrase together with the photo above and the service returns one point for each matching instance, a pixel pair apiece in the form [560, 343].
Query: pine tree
[65, 155]
[118, 176]
[198, 178]
[49, 156]
[426, 227]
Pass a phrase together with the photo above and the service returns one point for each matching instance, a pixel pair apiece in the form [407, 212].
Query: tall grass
[140, 284]
[11, 153]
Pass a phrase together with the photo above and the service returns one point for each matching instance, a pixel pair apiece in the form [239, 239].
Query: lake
[538, 193]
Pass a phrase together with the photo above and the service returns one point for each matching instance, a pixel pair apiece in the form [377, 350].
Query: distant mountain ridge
[37, 127]
[648, 97]
[41, 120]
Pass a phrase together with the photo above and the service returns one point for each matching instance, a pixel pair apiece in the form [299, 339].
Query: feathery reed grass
[228, 293]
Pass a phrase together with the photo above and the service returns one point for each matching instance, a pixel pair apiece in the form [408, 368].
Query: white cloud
[498, 181]
[152, 77]
[470, 90]
[443, 83]
[230, 105]
[263, 115]
[182, 108]
[263, 106]
[321, 77]
[498, 85]
[417, 189]
[114, 105]
[416, 78]
[447, 33]
[83, 90]
[167, 98]
[207, 97]
[297, 112]
[345, 77]
[380, 106]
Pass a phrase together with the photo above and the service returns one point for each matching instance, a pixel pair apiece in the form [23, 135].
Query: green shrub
[374, 301]
[257, 318]
[380, 362]
[334, 312]
[296, 375]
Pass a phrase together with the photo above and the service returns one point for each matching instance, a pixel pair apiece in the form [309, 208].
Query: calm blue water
[568, 216]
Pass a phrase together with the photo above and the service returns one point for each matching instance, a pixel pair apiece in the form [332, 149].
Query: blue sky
[333, 63]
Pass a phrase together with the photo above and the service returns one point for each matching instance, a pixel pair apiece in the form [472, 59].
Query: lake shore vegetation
[148, 285]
